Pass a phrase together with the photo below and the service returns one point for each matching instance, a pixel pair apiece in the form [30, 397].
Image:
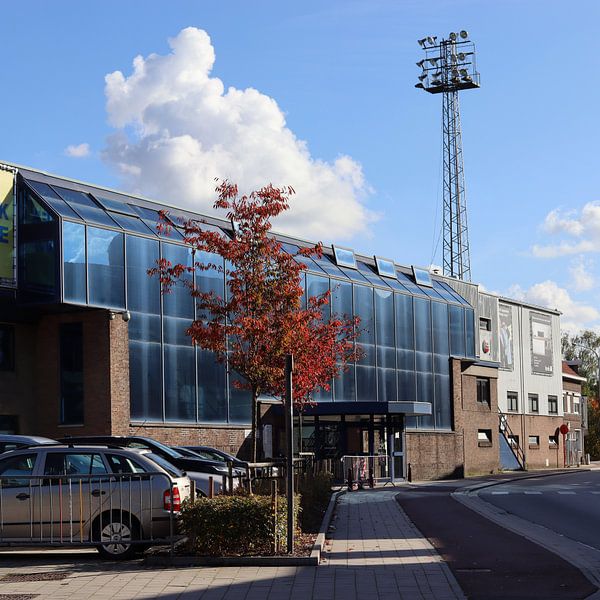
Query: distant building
[88, 345]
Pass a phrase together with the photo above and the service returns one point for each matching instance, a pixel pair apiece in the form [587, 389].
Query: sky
[160, 98]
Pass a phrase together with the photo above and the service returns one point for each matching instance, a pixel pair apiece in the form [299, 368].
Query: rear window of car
[124, 464]
[167, 466]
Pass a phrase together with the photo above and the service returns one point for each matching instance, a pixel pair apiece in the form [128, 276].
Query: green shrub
[315, 492]
[234, 525]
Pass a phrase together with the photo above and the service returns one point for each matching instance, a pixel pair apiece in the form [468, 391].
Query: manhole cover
[48, 576]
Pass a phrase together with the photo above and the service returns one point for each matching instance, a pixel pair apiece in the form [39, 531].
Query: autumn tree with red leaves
[262, 317]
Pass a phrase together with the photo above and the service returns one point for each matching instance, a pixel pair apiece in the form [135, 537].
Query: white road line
[500, 493]
[569, 493]
[595, 492]
[533, 493]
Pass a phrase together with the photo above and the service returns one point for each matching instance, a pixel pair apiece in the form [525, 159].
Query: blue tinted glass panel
[33, 212]
[470, 333]
[143, 291]
[106, 272]
[178, 302]
[454, 293]
[115, 205]
[405, 341]
[386, 385]
[303, 260]
[409, 284]
[441, 344]
[240, 403]
[363, 308]
[212, 389]
[169, 234]
[37, 265]
[144, 327]
[370, 275]
[145, 380]
[341, 298]
[72, 196]
[317, 286]
[95, 215]
[386, 268]
[443, 291]
[407, 387]
[344, 257]
[209, 280]
[174, 331]
[180, 383]
[354, 274]
[384, 318]
[366, 383]
[344, 386]
[425, 393]
[443, 410]
[132, 224]
[74, 262]
[422, 277]
[423, 342]
[457, 330]
[322, 395]
[49, 195]
[327, 265]
[429, 291]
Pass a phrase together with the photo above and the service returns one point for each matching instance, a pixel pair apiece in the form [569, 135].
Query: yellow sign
[7, 228]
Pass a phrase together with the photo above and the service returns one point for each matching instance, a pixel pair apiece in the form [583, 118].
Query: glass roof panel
[74, 197]
[311, 265]
[327, 265]
[96, 216]
[454, 293]
[51, 197]
[408, 283]
[115, 205]
[422, 277]
[442, 291]
[132, 224]
[385, 267]
[344, 257]
[354, 274]
[370, 274]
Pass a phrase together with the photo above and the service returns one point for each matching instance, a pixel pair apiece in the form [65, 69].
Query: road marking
[595, 492]
[532, 493]
[570, 493]
[500, 493]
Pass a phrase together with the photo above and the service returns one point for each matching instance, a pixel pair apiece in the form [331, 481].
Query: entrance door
[396, 447]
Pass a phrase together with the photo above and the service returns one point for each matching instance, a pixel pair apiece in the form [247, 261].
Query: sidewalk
[374, 552]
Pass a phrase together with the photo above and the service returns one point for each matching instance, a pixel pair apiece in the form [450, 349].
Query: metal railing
[367, 470]
[511, 438]
[88, 510]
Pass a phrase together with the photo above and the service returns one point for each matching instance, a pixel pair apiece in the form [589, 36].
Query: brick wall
[434, 455]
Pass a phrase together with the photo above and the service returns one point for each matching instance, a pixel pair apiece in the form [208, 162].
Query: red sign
[564, 429]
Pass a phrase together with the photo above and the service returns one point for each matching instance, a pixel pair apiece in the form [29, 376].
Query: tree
[585, 347]
[262, 317]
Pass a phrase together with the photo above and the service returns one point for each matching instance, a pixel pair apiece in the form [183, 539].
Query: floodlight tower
[448, 67]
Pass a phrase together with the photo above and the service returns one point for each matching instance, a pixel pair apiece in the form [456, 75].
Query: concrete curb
[254, 561]
[530, 475]
[581, 556]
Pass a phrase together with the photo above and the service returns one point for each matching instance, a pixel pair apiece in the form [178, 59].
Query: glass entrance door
[396, 447]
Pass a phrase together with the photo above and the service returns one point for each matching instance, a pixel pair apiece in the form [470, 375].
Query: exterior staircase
[512, 457]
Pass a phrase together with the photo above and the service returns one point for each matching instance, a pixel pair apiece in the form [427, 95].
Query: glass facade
[407, 332]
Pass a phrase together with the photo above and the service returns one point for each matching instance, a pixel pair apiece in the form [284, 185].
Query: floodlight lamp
[453, 36]
[421, 63]
[461, 56]
[422, 42]
[431, 40]
[464, 34]
[419, 85]
[464, 72]
[433, 61]
[422, 76]
[436, 82]
[468, 78]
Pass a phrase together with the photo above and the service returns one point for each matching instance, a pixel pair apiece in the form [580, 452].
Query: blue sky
[323, 99]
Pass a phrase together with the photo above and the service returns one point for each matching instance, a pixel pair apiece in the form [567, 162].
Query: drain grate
[18, 596]
[47, 576]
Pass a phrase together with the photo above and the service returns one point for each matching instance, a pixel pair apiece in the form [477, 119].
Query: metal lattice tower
[448, 67]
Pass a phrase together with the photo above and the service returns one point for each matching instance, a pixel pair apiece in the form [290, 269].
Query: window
[534, 441]
[73, 464]
[71, 374]
[513, 440]
[484, 438]
[553, 405]
[485, 324]
[553, 441]
[344, 257]
[16, 466]
[483, 390]
[565, 403]
[576, 404]
[7, 348]
[512, 401]
[534, 404]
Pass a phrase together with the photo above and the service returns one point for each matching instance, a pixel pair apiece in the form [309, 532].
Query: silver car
[115, 499]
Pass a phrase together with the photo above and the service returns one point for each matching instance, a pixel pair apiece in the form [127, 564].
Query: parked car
[88, 495]
[197, 469]
[12, 442]
[209, 453]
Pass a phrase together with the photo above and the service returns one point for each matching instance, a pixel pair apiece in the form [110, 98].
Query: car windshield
[166, 449]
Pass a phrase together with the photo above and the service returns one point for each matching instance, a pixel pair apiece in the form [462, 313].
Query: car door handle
[98, 493]
[22, 496]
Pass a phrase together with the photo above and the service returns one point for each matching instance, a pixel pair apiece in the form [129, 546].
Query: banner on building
[506, 336]
[541, 344]
[8, 275]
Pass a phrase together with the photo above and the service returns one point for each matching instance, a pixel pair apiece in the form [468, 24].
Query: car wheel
[116, 535]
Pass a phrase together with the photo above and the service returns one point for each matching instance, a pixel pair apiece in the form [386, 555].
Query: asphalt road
[567, 504]
[488, 561]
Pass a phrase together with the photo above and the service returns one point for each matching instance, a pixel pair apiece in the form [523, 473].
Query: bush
[315, 492]
[234, 525]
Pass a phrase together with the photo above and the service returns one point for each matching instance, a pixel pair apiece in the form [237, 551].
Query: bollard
[409, 474]
[371, 479]
[211, 487]
[350, 482]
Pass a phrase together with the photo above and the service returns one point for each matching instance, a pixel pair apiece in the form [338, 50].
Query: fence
[367, 470]
[113, 512]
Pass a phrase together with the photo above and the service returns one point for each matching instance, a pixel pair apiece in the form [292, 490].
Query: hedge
[234, 525]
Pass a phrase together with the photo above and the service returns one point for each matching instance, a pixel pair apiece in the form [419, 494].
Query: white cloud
[575, 315]
[581, 278]
[79, 151]
[178, 130]
[585, 227]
